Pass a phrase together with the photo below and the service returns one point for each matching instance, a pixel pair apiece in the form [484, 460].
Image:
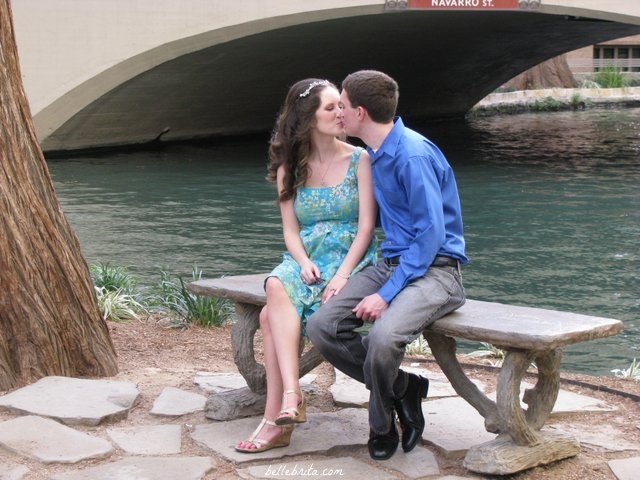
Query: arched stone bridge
[127, 72]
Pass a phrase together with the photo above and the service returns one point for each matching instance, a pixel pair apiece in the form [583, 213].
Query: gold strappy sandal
[291, 415]
[262, 445]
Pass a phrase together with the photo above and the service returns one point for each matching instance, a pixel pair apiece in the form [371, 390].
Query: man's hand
[370, 308]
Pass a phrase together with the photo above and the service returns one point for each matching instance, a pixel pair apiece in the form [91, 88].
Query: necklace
[326, 170]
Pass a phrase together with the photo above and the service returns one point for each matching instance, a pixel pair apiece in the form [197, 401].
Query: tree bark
[49, 318]
[554, 73]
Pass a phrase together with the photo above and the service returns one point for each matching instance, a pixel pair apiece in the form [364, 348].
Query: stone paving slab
[48, 441]
[453, 426]
[348, 392]
[73, 401]
[173, 402]
[145, 468]
[11, 471]
[418, 463]
[148, 439]
[570, 402]
[602, 436]
[321, 433]
[219, 382]
[224, 382]
[625, 468]
[340, 467]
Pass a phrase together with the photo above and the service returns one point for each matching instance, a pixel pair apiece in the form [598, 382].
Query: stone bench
[527, 335]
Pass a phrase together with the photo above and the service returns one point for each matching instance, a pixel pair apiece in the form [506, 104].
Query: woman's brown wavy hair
[290, 143]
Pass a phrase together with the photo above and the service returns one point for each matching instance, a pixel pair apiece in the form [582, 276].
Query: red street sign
[463, 4]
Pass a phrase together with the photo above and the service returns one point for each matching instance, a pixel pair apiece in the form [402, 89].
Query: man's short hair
[375, 91]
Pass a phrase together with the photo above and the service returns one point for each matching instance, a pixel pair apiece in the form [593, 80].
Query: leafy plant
[546, 104]
[171, 293]
[577, 101]
[610, 77]
[418, 347]
[633, 372]
[116, 292]
[489, 351]
[587, 83]
[113, 278]
[116, 305]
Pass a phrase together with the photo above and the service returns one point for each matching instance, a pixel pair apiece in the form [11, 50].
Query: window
[635, 59]
[622, 58]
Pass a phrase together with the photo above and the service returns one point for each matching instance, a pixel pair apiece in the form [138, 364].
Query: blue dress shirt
[418, 205]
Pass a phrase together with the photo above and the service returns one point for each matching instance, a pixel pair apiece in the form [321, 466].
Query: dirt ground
[142, 346]
[155, 357]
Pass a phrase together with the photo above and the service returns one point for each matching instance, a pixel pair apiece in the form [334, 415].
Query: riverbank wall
[554, 99]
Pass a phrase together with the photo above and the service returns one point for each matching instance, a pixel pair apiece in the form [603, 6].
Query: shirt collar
[390, 143]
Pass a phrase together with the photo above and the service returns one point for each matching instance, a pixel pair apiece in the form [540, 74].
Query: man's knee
[383, 345]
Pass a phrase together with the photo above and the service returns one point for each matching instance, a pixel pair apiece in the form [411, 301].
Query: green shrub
[418, 347]
[117, 306]
[577, 101]
[610, 77]
[112, 278]
[546, 104]
[489, 351]
[116, 292]
[171, 294]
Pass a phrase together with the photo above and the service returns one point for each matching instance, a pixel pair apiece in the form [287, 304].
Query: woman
[328, 214]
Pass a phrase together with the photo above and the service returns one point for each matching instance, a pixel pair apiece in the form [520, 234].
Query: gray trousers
[374, 359]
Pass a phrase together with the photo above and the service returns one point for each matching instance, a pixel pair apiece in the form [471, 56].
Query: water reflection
[551, 207]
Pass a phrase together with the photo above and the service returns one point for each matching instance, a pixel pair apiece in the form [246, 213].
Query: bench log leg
[242, 334]
[522, 446]
[519, 444]
[242, 338]
[444, 351]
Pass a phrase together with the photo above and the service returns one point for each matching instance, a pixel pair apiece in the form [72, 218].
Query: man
[419, 279]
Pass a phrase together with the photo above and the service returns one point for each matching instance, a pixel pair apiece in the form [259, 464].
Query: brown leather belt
[439, 261]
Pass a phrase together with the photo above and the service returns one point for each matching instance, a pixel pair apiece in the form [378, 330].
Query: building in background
[623, 54]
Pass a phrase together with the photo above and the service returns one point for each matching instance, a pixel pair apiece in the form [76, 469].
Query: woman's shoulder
[354, 152]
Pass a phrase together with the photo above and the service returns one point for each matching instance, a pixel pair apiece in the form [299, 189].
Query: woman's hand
[310, 273]
[333, 287]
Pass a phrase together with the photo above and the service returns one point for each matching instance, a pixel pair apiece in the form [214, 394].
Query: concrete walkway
[578, 97]
[74, 429]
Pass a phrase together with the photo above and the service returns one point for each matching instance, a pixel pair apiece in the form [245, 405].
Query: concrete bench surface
[527, 335]
[496, 323]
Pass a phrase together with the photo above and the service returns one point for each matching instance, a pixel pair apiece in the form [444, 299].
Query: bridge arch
[231, 80]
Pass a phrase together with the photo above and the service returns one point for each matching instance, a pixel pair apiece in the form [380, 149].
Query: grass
[116, 305]
[610, 77]
[113, 278]
[633, 372]
[418, 347]
[116, 292]
[547, 104]
[120, 298]
[489, 351]
[171, 294]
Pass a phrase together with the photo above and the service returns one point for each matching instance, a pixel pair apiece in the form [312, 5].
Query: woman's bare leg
[274, 384]
[285, 332]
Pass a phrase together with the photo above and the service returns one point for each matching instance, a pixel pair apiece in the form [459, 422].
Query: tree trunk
[554, 73]
[49, 318]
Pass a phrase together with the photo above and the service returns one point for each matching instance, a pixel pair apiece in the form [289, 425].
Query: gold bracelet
[341, 276]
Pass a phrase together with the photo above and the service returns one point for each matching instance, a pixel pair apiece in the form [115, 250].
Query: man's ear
[360, 113]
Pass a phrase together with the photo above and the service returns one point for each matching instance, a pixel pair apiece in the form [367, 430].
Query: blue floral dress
[328, 218]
